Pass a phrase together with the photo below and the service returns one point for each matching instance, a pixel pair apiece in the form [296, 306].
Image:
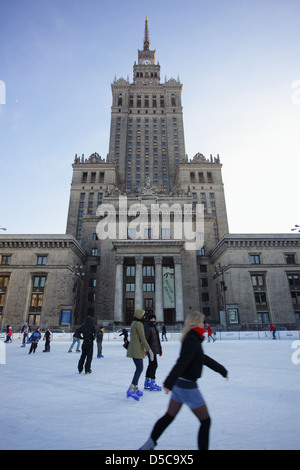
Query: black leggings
[174, 407]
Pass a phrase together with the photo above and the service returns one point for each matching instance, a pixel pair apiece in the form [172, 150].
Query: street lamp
[3, 228]
[221, 271]
[297, 227]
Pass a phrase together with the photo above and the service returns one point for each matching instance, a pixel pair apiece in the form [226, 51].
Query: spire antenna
[146, 39]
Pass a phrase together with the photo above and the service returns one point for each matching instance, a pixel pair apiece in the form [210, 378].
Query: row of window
[93, 177]
[290, 258]
[201, 177]
[41, 260]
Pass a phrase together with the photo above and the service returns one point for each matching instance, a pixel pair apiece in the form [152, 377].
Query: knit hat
[151, 316]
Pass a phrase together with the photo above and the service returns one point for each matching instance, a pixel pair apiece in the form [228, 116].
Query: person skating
[34, 339]
[125, 334]
[88, 333]
[182, 381]
[137, 345]
[273, 331]
[47, 338]
[25, 330]
[76, 340]
[152, 336]
[99, 340]
[210, 334]
[164, 333]
[8, 334]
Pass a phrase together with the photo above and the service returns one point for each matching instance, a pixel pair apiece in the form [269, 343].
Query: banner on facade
[168, 287]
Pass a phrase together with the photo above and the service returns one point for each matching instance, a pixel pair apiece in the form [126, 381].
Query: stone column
[159, 311]
[178, 289]
[138, 282]
[118, 309]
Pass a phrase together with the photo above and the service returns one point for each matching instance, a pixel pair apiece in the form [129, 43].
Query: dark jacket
[152, 336]
[88, 331]
[191, 360]
[77, 334]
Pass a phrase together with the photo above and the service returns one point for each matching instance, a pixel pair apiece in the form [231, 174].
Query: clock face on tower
[146, 62]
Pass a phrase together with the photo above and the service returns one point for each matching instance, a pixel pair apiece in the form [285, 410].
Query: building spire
[146, 39]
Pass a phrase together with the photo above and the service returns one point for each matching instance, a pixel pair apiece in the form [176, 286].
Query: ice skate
[133, 392]
[153, 386]
[147, 384]
[149, 445]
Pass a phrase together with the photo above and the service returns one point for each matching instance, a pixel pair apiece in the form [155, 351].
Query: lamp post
[3, 228]
[296, 228]
[221, 271]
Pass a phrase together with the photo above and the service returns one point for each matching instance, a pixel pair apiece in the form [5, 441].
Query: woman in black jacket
[152, 336]
[182, 381]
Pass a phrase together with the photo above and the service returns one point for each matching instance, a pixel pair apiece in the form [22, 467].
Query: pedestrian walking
[182, 381]
[152, 336]
[99, 340]
[88, 333]
[137, 345]
[34, 339]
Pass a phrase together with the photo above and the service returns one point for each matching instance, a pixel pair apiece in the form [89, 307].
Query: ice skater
[25, 330]
[76, 340]
[182, 381]
[88, 332]
[273, 331]
[164, 333]
[210, 334]
[47, 338]
[34, 339]
[8, 334]
[99, 340]
[137, 345]
[152, 336]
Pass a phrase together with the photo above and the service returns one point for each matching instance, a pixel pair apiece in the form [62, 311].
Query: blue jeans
[138, 370]
[75, 340]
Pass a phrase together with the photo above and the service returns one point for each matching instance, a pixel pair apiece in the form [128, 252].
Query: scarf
[200, 331]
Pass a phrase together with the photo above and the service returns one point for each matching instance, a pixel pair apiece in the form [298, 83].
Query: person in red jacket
[210, 334]
[273, 329]
[182, 381]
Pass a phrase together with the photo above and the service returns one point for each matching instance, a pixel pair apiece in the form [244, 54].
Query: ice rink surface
[47, 405]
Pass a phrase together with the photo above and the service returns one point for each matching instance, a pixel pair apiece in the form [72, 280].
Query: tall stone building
[147, 228]
[147, 165]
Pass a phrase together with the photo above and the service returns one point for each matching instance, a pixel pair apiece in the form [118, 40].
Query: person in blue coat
[34, 339]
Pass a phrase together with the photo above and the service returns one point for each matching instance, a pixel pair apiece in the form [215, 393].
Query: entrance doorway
[169, 316]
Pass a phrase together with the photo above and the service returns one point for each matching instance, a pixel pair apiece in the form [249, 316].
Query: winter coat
[88, 331]
[191, 360]
[99, 336]
[138, 343]
[77, 334]
[152, 336]
[35, 337]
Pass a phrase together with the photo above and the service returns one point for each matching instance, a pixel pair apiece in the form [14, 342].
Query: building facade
[130, 222]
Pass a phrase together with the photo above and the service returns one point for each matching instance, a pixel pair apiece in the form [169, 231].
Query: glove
[151, 355]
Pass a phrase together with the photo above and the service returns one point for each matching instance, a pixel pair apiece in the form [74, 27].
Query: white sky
[238, 61]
